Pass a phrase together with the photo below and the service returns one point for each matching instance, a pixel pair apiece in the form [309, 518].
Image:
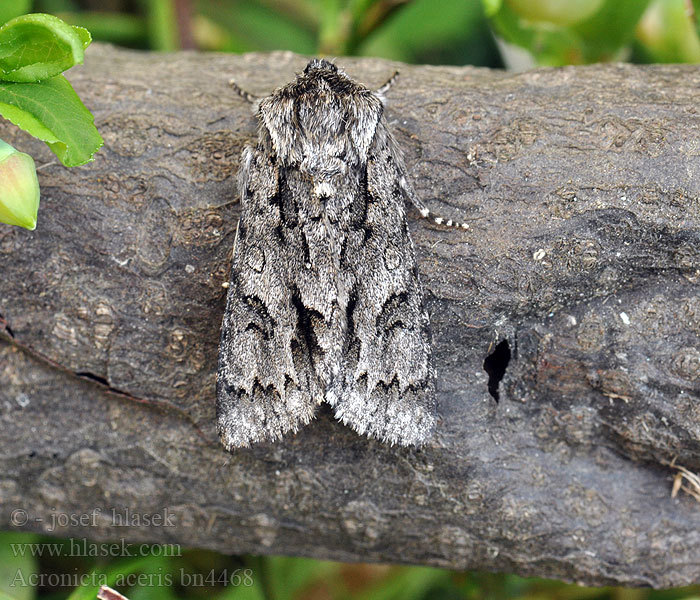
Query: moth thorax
[323, 169]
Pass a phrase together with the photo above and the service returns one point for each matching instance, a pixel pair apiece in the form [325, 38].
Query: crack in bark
[7, 334]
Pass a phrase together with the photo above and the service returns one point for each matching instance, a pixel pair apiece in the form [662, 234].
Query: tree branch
[582, 262]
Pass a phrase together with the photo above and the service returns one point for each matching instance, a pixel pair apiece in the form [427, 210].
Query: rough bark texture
[582, 187]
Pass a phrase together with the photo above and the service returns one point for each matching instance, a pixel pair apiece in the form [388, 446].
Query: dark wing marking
[266, 385]
[387, 389]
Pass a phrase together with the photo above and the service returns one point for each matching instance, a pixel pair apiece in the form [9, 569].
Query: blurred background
[513, 34]
[495, 33]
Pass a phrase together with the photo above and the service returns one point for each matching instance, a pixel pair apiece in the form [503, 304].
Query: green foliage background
[494, 33]
[553, 32]
[33, 566]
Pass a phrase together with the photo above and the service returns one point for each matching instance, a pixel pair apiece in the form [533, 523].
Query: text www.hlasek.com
[82, 547]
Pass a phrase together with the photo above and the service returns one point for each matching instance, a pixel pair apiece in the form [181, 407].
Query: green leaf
[611, 28]
[332, 36]
[550, 46]
[10, 10]
[287, 576]
[419, 32]
[113, 575]
[491, 7]
[119, 28]
[51, 111]
[668, 34]
[84, 35]
[36, 47]
[252, 26]
[407, 583]
[162, 24]
[359, 8]
[19, 188]
[598, 37]
[555, 11]
[244, 592]
[16, 566]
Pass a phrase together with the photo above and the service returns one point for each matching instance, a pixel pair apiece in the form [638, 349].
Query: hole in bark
[495, 366]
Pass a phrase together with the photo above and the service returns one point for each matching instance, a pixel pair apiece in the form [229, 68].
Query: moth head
[322, 113]
[320, 64]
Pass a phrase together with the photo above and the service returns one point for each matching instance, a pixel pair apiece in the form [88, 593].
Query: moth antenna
[247, 96]
[425, 211]
[385, 88]
[426, 214]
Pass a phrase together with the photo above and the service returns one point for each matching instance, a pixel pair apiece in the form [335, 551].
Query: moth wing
[266, 385]
[388, 389]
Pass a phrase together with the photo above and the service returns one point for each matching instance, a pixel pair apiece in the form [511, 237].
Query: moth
[324, 302]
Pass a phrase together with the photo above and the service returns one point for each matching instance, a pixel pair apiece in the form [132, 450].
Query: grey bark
[582, 189]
